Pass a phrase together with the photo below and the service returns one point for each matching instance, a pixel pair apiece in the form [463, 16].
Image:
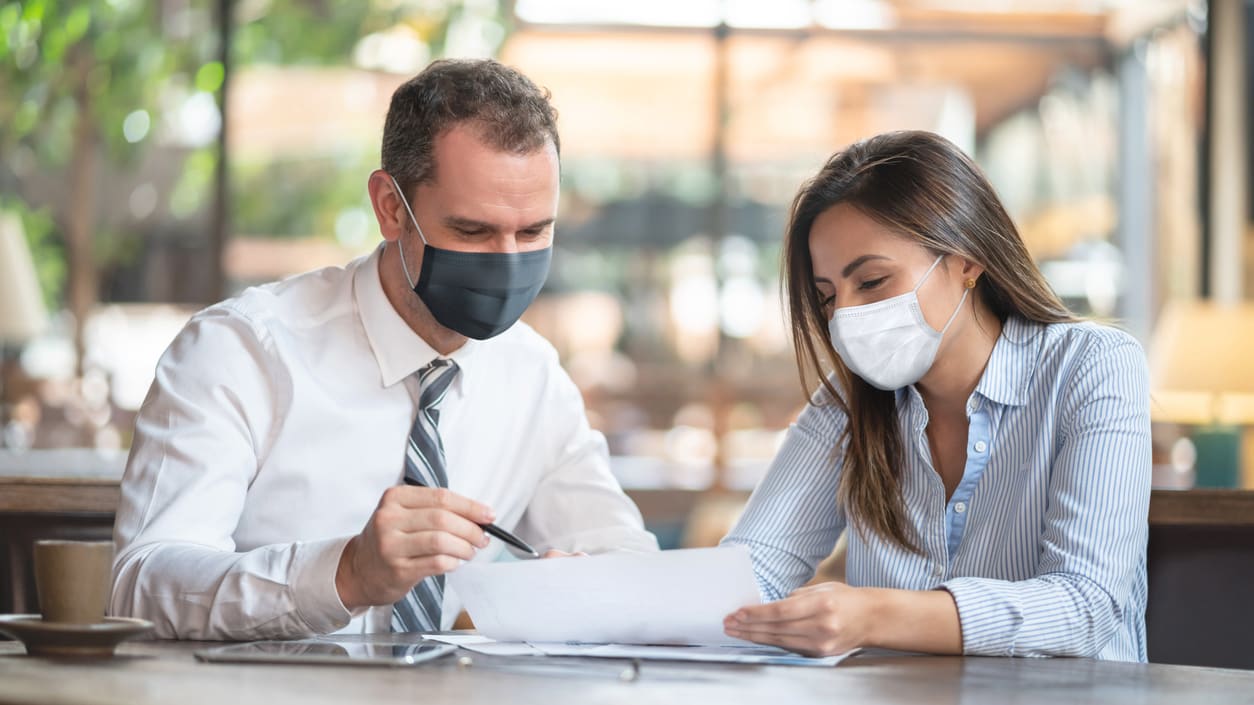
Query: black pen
[492, 529]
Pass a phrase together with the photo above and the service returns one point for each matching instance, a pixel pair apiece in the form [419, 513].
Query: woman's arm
[791, 522]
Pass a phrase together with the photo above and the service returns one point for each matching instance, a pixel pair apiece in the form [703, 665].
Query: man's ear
[389, 211]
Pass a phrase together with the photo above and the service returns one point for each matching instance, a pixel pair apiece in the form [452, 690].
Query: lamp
[1202, 373]
[22, 315]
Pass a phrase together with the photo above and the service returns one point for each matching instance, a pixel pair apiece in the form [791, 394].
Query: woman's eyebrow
[853, 266]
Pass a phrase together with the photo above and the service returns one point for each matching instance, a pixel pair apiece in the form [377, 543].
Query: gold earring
[970, 283]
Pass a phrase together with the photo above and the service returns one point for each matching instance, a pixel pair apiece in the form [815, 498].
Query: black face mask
[477, 294]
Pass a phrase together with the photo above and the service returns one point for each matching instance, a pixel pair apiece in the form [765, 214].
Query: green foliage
[316, 32]
[114, 56]
[123, 68]
[299, 197]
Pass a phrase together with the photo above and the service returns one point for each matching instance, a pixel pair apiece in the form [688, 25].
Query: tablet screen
[325, 651]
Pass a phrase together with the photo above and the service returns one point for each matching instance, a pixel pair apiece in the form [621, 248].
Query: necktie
[419, 611]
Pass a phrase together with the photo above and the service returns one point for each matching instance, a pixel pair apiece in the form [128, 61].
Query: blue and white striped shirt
[1042, 544]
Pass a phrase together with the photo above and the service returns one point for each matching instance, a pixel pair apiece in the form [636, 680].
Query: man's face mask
[477, 294]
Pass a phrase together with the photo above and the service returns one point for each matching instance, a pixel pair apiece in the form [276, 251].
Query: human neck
[411, 309]
[958, 369]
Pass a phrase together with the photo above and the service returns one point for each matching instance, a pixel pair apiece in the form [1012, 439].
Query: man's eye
[868, 285]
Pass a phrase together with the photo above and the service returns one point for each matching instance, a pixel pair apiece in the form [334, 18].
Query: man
[396, 394]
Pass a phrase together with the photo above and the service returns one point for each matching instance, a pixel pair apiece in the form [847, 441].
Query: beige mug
[73, 580]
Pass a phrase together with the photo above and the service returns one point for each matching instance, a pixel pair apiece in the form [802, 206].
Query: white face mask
[889, 343]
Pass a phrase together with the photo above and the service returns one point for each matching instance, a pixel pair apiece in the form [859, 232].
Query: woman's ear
[971, 271]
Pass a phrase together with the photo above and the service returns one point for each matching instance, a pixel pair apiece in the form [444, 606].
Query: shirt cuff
[317, 601]
[990, 617]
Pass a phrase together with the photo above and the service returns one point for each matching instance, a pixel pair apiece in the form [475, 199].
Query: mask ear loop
[957, 310]
[928, 273]
[965, 291]
[412, 219]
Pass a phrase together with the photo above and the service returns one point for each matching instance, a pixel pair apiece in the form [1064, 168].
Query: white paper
[669, 597]
[483, 645]
[756, 654]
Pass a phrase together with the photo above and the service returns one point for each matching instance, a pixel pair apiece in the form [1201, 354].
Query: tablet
[327, 651]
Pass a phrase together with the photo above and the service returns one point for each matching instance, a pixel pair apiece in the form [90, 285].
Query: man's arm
[206, 422]
[578, 505]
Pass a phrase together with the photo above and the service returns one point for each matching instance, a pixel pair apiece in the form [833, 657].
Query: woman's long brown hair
[922, 187]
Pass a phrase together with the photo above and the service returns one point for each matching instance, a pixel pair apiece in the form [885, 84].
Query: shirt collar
[1010, 367]
[399, 351]
[1009, 370]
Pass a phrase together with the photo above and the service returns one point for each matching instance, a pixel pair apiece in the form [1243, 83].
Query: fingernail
[483, 541]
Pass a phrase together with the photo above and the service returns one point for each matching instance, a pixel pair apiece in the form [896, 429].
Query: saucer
[97, 640]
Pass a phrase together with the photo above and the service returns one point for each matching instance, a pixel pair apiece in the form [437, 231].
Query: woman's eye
[825, 300]
[871, 284]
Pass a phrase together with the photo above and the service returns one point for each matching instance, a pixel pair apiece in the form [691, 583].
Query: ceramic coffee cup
[73, 580]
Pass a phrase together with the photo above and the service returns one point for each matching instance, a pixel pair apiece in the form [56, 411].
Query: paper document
[670, 597]
[483, 645]
[752, 654]
[755, 654]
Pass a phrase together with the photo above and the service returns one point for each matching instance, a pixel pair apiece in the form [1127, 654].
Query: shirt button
[980, 446]
[960, 507]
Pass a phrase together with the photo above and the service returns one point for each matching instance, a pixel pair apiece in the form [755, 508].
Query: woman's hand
[832, 618]
[820, 620]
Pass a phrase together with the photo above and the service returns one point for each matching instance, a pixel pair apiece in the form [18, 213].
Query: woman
[989, 452]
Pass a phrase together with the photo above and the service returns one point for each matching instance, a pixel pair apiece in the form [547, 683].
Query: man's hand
[415, 532]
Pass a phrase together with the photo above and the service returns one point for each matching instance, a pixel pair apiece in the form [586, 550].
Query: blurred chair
[1201, 578]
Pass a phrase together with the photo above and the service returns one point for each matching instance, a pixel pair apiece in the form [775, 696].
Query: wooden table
[166, 672]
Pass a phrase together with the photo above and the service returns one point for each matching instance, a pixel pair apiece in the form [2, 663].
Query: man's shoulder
[298, 302]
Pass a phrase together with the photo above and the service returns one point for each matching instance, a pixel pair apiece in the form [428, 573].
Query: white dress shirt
[275, 423]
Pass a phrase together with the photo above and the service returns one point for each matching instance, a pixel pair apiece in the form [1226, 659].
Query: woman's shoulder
[1071, 341]
[1073, 359]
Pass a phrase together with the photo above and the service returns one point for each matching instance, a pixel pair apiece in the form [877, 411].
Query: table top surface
[157, 671]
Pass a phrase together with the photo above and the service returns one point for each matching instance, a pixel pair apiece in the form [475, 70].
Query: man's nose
[505, 244]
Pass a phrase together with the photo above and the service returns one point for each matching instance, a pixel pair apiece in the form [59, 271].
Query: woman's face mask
[889, 343]
[476, 294]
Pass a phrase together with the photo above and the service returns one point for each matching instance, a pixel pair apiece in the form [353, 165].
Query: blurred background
[159, 155]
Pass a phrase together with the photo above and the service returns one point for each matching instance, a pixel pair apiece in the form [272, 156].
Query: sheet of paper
[483, 645]
[762, 655]
[670, 597]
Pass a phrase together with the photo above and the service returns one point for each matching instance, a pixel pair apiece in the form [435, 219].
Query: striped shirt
[1042, 544]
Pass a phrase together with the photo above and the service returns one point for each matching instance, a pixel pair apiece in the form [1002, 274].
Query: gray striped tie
[419, 611]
